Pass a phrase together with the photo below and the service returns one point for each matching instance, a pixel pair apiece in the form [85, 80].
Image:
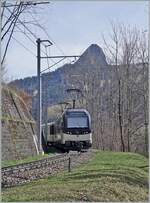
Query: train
[70, 131]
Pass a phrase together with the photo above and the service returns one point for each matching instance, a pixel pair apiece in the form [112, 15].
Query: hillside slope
[109, 176]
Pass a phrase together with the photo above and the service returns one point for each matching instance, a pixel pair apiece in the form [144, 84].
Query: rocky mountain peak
[94, 49]
[93, 55]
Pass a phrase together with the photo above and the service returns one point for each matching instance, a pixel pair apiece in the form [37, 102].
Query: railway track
[26, 172]
[9, 169]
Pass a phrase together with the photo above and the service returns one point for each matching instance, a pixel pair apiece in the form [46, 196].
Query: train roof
[76, 110]
[71, 109]
[68, 110]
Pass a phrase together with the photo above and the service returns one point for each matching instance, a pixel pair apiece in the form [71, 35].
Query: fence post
[69, 165]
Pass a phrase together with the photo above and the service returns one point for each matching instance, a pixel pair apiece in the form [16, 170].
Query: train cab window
[77, 120]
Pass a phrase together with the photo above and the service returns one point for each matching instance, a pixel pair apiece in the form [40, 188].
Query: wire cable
[24, 26]
[49, 53]
[24, 46]
[47, 56]
[53, 65]
[47, 34]
[27, 36]
[33, 34]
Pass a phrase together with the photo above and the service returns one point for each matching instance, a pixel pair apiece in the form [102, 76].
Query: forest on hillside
[118, 102]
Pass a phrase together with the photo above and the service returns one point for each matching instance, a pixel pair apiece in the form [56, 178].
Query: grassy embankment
[109, 176]
[27, 159]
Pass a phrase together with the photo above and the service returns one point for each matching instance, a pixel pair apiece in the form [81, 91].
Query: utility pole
[39, 105]
[39, 87]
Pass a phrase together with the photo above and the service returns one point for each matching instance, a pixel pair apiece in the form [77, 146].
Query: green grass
[51, 151]
[19, 161]
[109, 176]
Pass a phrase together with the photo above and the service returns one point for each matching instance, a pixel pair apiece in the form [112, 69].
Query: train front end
[76, 130]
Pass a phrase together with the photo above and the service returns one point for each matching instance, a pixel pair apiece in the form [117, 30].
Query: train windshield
[77, 120]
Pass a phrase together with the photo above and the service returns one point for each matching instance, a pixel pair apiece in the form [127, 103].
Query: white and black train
[71, 131]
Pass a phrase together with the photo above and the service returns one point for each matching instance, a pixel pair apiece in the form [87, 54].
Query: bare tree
[129, 41]
[9, 20]
[11, 15]
[128, 56]
[142, 88]
[113, 51]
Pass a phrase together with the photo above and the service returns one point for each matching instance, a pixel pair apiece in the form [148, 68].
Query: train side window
[52, 129]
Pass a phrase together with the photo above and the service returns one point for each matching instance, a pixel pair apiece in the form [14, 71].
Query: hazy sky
[73, 26]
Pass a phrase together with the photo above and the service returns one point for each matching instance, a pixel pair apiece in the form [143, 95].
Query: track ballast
[26, 172]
